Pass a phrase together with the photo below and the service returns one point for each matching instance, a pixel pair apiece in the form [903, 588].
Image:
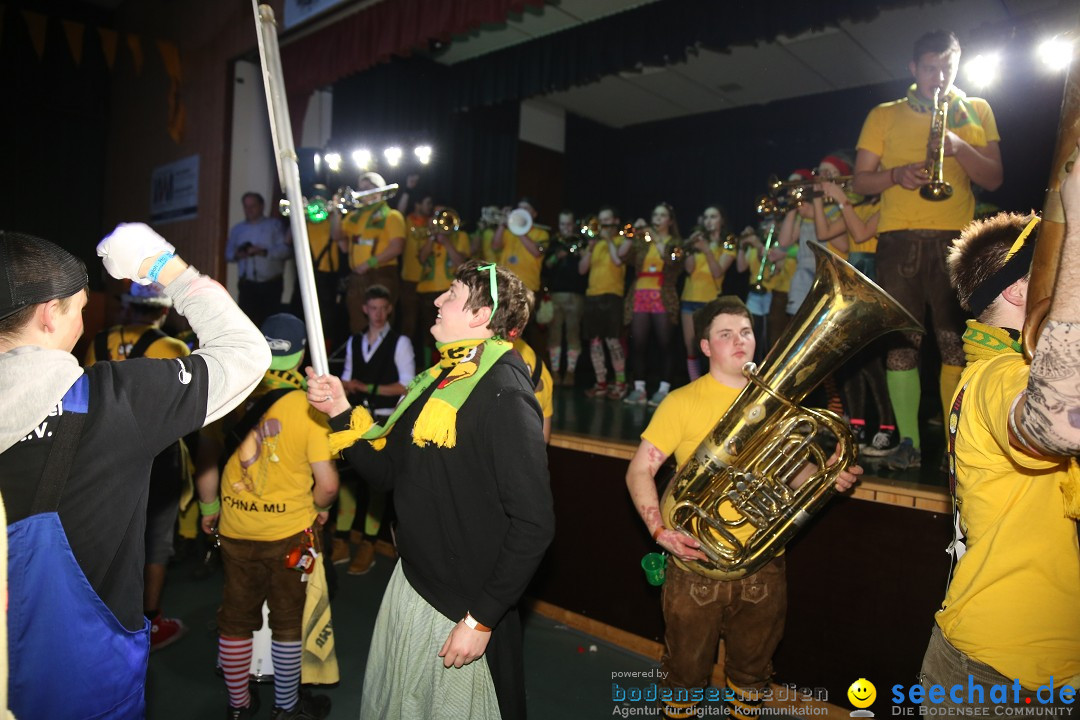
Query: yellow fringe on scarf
[359, 422]
[437, 423]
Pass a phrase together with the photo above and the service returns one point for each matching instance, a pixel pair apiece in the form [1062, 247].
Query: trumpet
[350, 200]
[591, 227]
[937, 189]
[446, 221]
[775, 184]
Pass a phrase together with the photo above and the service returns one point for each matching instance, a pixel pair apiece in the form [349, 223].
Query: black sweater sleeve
[515, 430]
[373, 466]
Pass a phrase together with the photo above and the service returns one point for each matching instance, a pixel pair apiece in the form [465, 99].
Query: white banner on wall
[297, 11]
[174, 191]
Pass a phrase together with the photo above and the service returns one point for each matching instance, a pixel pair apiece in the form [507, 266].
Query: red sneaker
[165, 631]
[598, 391]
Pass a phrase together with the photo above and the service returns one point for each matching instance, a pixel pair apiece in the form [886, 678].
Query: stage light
[392, 155]
[362, 158]
[318, 161]
[333, 161]
[1056, 53]
[982, 70]
[423, 154]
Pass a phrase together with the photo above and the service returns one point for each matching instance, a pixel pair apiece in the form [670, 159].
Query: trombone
[350, 200]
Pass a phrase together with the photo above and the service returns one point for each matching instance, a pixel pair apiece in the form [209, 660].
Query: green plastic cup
[653, 564]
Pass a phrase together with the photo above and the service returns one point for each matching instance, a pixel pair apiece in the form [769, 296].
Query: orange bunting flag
[108, 45]
[36, 23]
[135, 45]
[170, 55]
[74, 31]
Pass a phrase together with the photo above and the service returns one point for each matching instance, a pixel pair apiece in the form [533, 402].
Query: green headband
[494, 287]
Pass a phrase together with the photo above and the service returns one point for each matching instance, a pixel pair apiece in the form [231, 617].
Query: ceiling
[844, 56]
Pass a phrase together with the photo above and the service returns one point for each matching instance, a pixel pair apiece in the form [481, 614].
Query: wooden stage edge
[870, 488]
[653, 650]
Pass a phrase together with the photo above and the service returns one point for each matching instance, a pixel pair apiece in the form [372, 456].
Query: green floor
[568, 673]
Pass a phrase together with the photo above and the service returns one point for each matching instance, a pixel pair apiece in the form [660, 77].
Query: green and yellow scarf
[469, 361]
[984, 342]
[962, 113]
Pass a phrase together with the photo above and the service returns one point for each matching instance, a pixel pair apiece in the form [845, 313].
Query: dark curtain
[475, 152]
[53, 130]
[654, 34]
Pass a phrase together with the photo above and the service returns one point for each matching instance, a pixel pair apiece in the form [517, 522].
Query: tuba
[739, 475]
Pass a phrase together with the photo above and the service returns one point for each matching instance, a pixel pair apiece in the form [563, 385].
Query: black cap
[33, 270]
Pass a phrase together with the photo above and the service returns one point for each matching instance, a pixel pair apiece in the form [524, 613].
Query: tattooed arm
[1047, 417]
[641, 481]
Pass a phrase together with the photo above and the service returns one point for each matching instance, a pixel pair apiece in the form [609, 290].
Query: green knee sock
[904, 389]
[346, 508]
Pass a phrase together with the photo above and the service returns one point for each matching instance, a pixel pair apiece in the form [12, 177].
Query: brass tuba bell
[733, 495]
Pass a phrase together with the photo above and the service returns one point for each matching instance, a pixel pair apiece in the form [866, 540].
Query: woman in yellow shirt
[706, 261]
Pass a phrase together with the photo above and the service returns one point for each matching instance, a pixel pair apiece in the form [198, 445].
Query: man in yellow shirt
[272, 499]
[373, 238]
[603, 324]
[698, 611]
[1010, 612]
[914, 233]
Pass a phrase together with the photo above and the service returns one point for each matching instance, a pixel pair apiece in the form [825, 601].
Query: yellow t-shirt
[897, 134]
[487, 253]
[651, 267]
[684, 419]
[605, 277]
[520, 261]
[325, 253]
[414, 240]
[544, 389]
[266, 486]
[1014, 599]
[780, 279]
[864, 212]
[370, 232]
[700, 285]
[122, 338]
[437, 273]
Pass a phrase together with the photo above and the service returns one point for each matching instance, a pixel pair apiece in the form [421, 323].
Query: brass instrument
[591, 227]
[766, 267]
[740, 474]
[315, 209]
[776, 185]
[446, 221]
[1051, 231]
[937, 189]
[350, 200]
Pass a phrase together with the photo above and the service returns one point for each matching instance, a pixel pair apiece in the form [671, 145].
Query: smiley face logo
[862, 693]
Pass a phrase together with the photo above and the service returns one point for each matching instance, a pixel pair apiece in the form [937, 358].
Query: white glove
[125, 249]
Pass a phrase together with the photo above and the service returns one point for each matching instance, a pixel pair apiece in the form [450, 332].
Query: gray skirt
[405, 678]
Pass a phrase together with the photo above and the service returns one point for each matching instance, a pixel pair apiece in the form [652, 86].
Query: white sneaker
[657, 398]
[883, 443]
[636, 397]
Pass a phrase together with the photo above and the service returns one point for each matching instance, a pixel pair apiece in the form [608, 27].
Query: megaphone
[519, 222]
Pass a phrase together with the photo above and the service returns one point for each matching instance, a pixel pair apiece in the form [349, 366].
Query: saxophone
[937, 189]
[740, 473]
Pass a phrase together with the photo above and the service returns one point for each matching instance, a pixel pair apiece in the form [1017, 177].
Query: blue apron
[69, 655]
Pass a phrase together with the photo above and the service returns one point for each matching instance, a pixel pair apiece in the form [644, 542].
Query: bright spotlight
[982, 70]
[318, 161]
[1056, 53]
[392, 155]
[423, 154]
[362, 158]
[333, 161]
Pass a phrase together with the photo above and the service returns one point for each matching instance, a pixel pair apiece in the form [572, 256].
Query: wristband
[373, 389]
[373, 261]
[656, 533]
[212, 508]
[158, 265]
[322, 509]
[471, 622]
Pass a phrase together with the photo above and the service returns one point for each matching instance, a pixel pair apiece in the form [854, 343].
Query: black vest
[380, 370]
